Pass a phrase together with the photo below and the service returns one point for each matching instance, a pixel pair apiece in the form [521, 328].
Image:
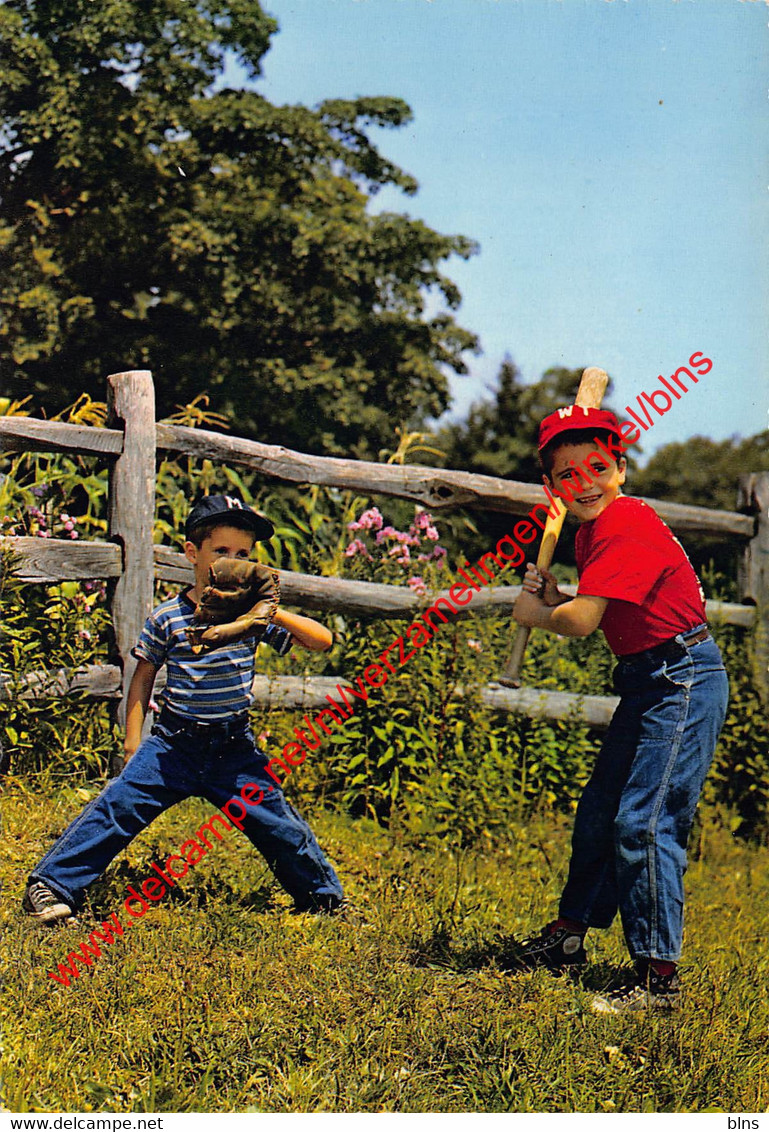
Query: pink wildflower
[386, 532]
[422, 520]
[417, 584]
[369, 520]
[403, 552]
[431, 533]
[356, 547]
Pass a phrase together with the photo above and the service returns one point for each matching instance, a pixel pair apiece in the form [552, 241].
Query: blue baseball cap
[229, 510]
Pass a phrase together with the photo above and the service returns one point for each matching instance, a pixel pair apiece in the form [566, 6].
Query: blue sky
[609, 156]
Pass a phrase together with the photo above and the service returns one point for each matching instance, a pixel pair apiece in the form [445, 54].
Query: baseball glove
[240, 601]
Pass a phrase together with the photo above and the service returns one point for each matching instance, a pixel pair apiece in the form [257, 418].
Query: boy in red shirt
[636, 812]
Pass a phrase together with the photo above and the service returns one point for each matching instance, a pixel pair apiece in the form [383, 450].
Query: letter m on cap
[233, 502]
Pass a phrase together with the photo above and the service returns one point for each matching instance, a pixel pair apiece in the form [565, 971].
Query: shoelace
[40, 893]
[635, 987]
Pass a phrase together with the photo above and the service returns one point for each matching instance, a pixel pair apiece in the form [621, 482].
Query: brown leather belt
[673, 649]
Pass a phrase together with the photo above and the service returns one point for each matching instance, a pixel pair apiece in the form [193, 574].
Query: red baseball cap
[573, 417]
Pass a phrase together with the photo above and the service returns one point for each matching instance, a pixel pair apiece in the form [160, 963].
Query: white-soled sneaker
[44, 905]
[658, 993]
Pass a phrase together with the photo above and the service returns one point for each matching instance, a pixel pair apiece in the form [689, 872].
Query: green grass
[220, 1000]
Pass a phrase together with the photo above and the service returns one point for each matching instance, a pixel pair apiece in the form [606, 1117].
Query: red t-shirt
[631, 557]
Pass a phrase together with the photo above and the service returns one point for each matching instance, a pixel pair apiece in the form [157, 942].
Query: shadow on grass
[108, 894]
[437, 951]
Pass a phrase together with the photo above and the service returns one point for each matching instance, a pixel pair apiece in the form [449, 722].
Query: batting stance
[636, 812]
[202, 743]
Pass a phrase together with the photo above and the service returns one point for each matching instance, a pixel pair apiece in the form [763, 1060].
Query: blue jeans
[636, 812]
[213, 763]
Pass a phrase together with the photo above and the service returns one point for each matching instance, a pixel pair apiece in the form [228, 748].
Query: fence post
[131, 401]
[753, 578]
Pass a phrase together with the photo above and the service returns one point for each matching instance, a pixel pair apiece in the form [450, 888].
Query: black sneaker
[342, 909]
[650, 991]
[557, 949]
[44, 904]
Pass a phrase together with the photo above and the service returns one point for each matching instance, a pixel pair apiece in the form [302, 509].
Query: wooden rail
[128, 559]
[53, 560]
[431, 487]
[103, 681]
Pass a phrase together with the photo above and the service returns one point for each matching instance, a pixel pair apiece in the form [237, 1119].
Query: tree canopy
[499, 436]
[154, 219]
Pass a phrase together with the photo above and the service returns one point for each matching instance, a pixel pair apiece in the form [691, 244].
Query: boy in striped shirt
[201, 744]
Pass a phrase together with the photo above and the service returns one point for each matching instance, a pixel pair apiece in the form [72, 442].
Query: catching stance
[201, 744]
[636, 812]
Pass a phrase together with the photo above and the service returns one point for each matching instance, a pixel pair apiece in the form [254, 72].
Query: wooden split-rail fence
[132, 562]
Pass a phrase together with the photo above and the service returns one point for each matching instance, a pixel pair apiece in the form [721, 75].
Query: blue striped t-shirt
[210, 685]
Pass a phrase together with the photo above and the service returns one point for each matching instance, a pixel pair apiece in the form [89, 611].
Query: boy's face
[222, 542]
[595, 484]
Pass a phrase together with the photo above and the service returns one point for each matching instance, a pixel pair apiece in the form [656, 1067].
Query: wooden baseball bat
[592, 387]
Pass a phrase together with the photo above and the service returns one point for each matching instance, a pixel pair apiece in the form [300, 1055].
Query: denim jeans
[174, 764]
[636, 812]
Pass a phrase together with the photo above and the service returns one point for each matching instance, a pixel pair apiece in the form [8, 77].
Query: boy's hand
[530, 610]
[543, 584]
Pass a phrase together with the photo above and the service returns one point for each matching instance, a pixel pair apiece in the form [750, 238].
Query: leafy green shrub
[416, 755]
[45, 629]
[739, 777]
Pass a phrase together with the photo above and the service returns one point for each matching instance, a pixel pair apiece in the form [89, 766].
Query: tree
[499, 437]
[702, 470]
[150, 220]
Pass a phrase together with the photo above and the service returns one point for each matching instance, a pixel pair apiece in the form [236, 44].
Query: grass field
[220, 1000]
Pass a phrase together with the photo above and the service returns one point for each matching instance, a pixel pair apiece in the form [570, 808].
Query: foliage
[739, 777]
[63, 626]
[45, 629]
[220, 1000]
[156, 219]
[417, 756]
[37, 490]
[706, 472]
[703, 470]
[499, 438]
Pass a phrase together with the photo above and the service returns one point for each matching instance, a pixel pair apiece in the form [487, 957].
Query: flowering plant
[381, 546]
